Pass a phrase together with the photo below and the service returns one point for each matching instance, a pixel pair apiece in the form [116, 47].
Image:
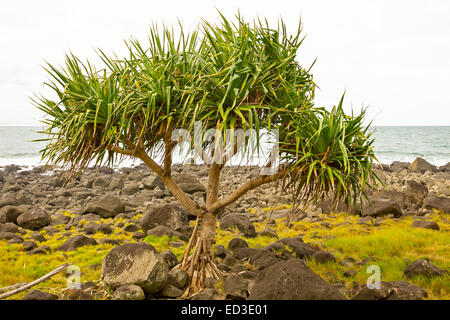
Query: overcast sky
[392, 56]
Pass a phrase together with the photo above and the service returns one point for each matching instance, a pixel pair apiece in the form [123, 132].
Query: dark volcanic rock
[172, 216]
[8, 199]
[420, 165]
[393, 290]
[151, 183]
[60, 219]
[236, 287]
[77, 294]
[425, 224]
[189, 184]
[39, 295]
[439, 203]
[416, 192]
[35, 220]
[76, 242]
[108, 207]
[9, 227]
[170, 291]
[207, 294]
[9, 236]
[292, 280]
[170, 258]
[324, 257]
[221, 252]
[37, 237]
[101, 182]
[260, 258]
[380, 207]
[445, 168]
[302, 250]
[178, 278]
[237, 243]
[398, 166]
[131, 228]
[92, 228]
[423, 268]
[240, 222]
[29, 245]
[135, 263]
[160, 231]
[10, 214]
[130, 189]
[40, 250]
[129, 292]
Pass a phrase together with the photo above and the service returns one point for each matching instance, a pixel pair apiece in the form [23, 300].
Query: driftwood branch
[14, 286]
[35, 282]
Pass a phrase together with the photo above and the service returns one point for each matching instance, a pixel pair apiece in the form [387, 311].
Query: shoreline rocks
[102, 200]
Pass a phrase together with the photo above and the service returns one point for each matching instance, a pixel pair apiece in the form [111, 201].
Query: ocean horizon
[392, 143]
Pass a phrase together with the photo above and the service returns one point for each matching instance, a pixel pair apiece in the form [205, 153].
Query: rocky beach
[125, 234]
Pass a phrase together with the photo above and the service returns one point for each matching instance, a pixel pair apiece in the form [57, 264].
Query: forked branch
[252, 184]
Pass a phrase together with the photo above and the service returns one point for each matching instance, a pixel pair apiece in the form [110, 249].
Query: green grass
[395, 244]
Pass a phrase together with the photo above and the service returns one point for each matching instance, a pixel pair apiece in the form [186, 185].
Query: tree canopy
[225, 76]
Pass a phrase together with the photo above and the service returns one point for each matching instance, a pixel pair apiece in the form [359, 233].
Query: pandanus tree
[230, 77]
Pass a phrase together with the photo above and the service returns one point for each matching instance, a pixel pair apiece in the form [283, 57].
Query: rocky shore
[122, 214]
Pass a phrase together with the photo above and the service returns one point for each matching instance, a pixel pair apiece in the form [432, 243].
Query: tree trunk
[201, 265]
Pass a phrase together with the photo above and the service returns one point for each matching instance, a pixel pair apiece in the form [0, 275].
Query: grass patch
[394, 243]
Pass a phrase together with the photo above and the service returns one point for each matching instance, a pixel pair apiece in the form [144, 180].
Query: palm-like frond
[226, 76]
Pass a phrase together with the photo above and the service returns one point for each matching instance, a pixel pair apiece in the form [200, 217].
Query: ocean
[400, 143]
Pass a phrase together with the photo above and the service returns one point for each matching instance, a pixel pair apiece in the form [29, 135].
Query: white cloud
[390, 55]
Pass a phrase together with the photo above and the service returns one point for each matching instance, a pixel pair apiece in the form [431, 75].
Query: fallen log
[33, 283]
[14, 286]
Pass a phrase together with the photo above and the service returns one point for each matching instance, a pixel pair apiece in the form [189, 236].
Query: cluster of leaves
[226, 76]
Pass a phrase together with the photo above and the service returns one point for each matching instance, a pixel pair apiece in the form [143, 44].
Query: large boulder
[439, 203]
[416, 192]
[420, 166]
[380, 207]
[240, 222]
[392, 290]
[10, 214]
[170, 215]
[34, 220]
[108, 207]
[292, 280]
[445, 167]
[76, 242]
[189, 184]
[423, 268]
[135, 263]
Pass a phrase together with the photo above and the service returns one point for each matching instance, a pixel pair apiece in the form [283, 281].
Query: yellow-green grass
[394, 243]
